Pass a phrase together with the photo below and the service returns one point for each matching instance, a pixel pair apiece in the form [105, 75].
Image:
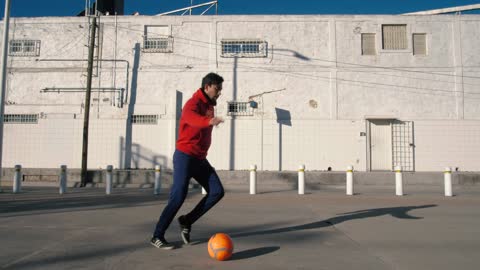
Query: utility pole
[3, 79]
[91, 50]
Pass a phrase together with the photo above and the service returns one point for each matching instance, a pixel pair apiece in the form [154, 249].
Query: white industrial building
[324, 91]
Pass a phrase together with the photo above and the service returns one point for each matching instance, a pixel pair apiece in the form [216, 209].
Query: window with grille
[394, 37]
[244, 48]
[158, 45]
[239, 108]
[368, 44]
[20, 118]
[145, 119]
[23, 47]
[419, 44]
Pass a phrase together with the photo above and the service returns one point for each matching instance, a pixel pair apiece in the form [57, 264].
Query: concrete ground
[276, 229]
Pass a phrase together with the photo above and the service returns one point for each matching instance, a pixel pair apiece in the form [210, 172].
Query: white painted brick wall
[447, 143]
[330, 90]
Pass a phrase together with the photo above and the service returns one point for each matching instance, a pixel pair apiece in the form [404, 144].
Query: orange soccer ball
[220, 247]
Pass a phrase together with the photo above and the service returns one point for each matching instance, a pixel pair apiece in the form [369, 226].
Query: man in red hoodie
[189, 161]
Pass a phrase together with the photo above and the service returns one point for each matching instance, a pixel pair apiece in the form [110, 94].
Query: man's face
[213, 91]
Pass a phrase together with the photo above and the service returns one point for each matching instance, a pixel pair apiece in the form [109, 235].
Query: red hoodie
[195, 131]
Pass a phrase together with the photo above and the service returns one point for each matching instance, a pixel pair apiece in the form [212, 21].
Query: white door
[380, 145]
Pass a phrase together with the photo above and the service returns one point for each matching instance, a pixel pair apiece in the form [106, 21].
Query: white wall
[447, 143]
[318, 144]
[330, 89]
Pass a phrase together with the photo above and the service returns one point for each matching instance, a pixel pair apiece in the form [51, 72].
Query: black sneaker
[185, 230]
[161, 243]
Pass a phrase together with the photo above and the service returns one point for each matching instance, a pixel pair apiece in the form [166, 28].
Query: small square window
[419, 44]
[368, 44]
[394, 36]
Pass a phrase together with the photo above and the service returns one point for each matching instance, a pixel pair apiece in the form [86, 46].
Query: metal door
[403, 145]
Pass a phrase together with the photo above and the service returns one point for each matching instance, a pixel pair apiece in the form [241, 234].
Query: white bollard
[17, 179]
[448, 182]
[204, 191]
[109, 178]
[157, 185]
[398, 181]
[253, 179]
[301, 180]
[350, 180]
[63, 179]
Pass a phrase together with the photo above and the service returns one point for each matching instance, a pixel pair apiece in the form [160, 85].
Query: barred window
[368, 44]
[419, 44]
[145, 119]
[158, 45]
[23, 47]
[20, 119]
[239, 108]
[244, 48]
[394, 36]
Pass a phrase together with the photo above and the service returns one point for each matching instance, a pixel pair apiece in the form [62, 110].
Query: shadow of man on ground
[397, 212]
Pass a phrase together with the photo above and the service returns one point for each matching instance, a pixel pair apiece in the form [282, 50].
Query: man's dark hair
[211, 78]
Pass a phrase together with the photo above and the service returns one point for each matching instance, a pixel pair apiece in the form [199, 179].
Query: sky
[39, 8]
